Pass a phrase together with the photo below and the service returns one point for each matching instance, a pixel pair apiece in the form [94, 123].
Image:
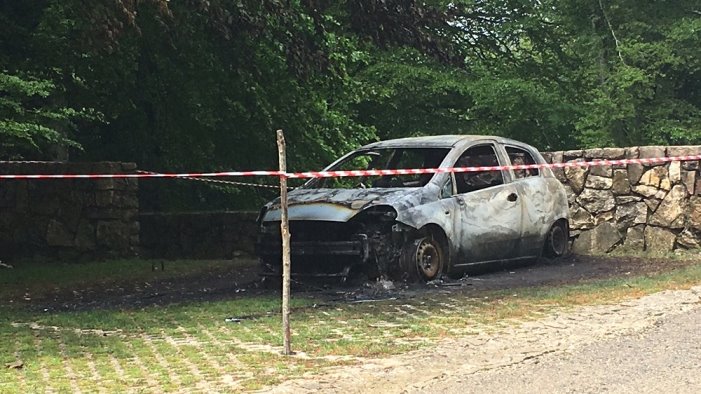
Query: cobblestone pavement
[645, 345]
[213, 355]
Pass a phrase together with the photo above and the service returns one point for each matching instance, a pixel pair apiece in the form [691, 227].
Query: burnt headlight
[382, 213]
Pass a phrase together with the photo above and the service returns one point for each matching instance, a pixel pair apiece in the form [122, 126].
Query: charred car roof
[438, 141]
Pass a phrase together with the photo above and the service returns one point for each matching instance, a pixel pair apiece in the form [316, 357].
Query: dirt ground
[242, 280]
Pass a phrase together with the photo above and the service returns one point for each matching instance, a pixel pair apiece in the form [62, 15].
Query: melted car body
[421, 226]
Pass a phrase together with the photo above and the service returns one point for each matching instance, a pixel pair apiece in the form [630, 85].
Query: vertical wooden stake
[285, 230]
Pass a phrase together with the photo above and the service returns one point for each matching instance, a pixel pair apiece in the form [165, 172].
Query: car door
[532, 190]
[488, 208]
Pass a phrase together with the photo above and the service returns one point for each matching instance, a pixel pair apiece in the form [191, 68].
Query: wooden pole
[285, 230]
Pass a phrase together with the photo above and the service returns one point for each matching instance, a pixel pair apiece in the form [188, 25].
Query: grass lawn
[191, 347]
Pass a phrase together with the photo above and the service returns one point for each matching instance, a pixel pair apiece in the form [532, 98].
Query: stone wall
[198, 235]
[633, 207]
[68, 219]
[625, 207]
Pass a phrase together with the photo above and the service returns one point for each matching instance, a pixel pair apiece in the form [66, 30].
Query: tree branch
[613, 34]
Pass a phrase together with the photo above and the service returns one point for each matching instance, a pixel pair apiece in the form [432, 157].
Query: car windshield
[384, 159]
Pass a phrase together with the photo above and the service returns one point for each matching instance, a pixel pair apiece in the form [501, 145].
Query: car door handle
[512, 197]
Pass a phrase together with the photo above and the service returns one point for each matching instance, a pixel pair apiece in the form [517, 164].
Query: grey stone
[656, 177]
[70, 215]
[594, 153]
[658, 239]
[635, 239]
[651, 152]
[85, 236]
[613, 153]
[571, 196]
[688, 239]
[105, 184]
[113, 234]
[652, 203]
[620, 200]
[58, 235]
[688, 179]
[691, 165]
[576, 177]
[604, 170]
[582, 243]
[104, 198]
[631, 214]
[599, 240]
[671, 211]
[646, 191]
[620, 184]
[560, 174]
[557, 157]
[695, 212]
[604, 237]
[604, 217]
[580, 219]
[126, 199]
[572, 155]
[596, 201]
[635, 172]
[48, 206]
[598, 182]
[132, 184]
[688, 150]
[128, 167]
[675, 172]
[632, 152]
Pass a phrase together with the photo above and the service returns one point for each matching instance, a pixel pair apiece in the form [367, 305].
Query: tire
[423, 259]
[557, 240]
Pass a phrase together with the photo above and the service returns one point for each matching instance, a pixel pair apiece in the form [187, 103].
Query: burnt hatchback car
[421, 226]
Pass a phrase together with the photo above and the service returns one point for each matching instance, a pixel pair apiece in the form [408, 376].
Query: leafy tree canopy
[203, 84]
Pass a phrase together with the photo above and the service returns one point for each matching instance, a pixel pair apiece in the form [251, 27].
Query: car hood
[340, 205]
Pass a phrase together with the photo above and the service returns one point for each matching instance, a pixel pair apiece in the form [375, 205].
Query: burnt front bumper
[358, 247]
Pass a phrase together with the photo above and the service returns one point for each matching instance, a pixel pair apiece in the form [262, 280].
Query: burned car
[421, 226]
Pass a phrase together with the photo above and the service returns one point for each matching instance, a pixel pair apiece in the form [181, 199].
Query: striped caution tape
[357, 173]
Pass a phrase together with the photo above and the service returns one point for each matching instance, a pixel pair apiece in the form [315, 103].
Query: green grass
[180, 346]
[40, 278]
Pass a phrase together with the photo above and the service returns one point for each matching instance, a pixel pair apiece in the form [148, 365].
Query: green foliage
[203, 85]
[638, 71]
[30, 126]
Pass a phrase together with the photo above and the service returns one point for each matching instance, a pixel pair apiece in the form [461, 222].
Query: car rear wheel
[423, 259]
[557, 241]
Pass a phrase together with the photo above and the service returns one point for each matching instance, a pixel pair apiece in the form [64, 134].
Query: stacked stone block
[68, 219]
[634, 207]
[198, 235]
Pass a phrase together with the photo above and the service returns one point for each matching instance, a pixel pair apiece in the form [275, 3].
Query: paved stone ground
[645, 345]
[180, 357]
[665, 358]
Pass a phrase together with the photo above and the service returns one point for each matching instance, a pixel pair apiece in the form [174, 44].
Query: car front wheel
[423, 259]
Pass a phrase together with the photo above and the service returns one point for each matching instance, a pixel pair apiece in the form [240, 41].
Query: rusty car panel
[421, 227]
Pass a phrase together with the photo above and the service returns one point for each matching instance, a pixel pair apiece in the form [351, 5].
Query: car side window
[519, 156]
[477, 156]
[447, 189]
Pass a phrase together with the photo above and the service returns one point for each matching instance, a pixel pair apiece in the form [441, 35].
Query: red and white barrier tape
[219, 181]
[357, 173]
